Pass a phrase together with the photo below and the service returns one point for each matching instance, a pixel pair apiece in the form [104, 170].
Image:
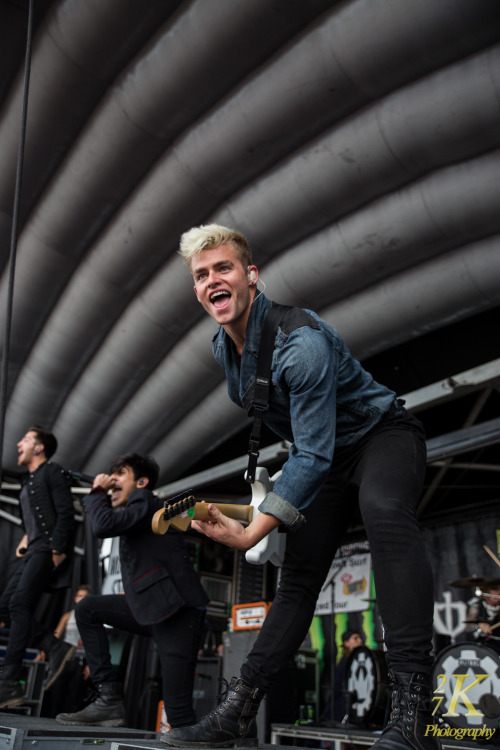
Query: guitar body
[272, 547]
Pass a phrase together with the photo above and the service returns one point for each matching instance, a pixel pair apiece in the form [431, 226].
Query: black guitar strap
[260, 401]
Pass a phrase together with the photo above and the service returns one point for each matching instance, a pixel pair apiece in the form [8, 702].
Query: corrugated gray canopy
[355, 143]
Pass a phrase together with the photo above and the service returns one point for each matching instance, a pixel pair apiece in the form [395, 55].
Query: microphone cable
[14, 236]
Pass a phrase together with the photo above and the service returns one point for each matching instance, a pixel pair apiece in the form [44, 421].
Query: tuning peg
[181, 506]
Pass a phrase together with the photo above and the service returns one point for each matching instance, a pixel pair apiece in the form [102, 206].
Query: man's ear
[143, 482]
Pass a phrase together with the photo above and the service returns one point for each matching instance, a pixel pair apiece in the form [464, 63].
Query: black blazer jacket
[157, 574]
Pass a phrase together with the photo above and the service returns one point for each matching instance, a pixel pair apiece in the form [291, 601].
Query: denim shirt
[320, 399]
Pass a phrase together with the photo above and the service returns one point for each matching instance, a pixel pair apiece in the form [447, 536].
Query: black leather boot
[12, 693]
[231, 724]
[107, 710]
[410, 724]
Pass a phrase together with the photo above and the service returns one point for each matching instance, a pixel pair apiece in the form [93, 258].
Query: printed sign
[249, 616]
[347, 585]
[110, 561]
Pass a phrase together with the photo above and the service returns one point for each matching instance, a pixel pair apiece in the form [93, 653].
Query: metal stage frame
[18, 732]
[339, 738]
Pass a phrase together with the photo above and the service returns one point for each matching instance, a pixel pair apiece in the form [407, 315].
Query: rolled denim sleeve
[277, 506]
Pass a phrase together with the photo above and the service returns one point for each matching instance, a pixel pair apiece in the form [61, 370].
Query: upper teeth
[218, 294]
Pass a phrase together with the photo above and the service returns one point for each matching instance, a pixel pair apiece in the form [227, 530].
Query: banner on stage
[347, 585]
[110, 561]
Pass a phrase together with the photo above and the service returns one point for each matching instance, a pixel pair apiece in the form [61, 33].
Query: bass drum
[455, 670]
[365, 686]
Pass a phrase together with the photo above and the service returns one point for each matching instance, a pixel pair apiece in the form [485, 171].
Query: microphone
[86, 478]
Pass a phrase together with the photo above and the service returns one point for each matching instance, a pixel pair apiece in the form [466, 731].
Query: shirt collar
[258, 312]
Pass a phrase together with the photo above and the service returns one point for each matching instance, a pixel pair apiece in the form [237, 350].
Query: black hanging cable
[14, 236]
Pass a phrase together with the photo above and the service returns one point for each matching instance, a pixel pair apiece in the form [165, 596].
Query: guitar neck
[199, 512]
[243, 513]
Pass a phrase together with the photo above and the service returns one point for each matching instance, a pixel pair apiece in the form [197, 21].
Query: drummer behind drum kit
[466, 675]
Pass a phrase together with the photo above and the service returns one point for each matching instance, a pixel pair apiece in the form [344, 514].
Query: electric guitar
[180, 514]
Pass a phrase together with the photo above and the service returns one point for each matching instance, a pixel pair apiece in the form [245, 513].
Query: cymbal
[474, 581]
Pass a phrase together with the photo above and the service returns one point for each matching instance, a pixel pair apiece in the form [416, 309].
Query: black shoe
[411, 722]
[11, 693]
[231, 724]
[107, 710]
[59, 654]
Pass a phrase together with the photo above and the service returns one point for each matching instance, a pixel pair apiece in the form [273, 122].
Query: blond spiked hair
[211, 236]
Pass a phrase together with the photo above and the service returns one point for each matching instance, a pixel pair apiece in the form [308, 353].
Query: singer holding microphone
[163, 596]
[47, 514]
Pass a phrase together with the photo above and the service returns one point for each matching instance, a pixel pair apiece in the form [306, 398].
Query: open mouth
[220, 299]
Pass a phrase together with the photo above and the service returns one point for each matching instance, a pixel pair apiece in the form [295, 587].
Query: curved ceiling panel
[355, 143]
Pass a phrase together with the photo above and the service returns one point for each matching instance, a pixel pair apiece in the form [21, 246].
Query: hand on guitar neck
[180, 514]
[226, 530]
[208, 519]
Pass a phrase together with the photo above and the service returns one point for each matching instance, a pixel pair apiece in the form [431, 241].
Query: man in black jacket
[163, 595]
[48, 519]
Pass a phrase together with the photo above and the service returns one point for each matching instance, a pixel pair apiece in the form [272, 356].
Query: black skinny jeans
[18, 603]
[384, 472]
[178, 639]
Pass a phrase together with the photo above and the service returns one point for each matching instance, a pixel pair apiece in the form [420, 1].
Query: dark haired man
[48, 518]
[163, 596]
[326, 405]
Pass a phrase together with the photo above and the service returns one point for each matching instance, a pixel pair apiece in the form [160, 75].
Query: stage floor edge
[20, 732]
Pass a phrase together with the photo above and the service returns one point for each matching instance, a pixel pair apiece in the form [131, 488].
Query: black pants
[178, 639]
[384, 473]
[18, 603]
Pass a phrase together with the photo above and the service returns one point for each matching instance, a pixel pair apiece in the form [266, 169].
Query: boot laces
[225, 688]
[405, 702]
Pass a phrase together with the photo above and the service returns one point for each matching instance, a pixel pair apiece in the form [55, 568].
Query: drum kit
[466, 675]
[470, 669]
[480, 584]
[365, 687]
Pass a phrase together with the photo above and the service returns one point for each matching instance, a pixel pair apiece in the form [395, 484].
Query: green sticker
[191, 512]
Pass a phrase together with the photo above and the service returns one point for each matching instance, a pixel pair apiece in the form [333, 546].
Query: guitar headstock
[178, 513]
